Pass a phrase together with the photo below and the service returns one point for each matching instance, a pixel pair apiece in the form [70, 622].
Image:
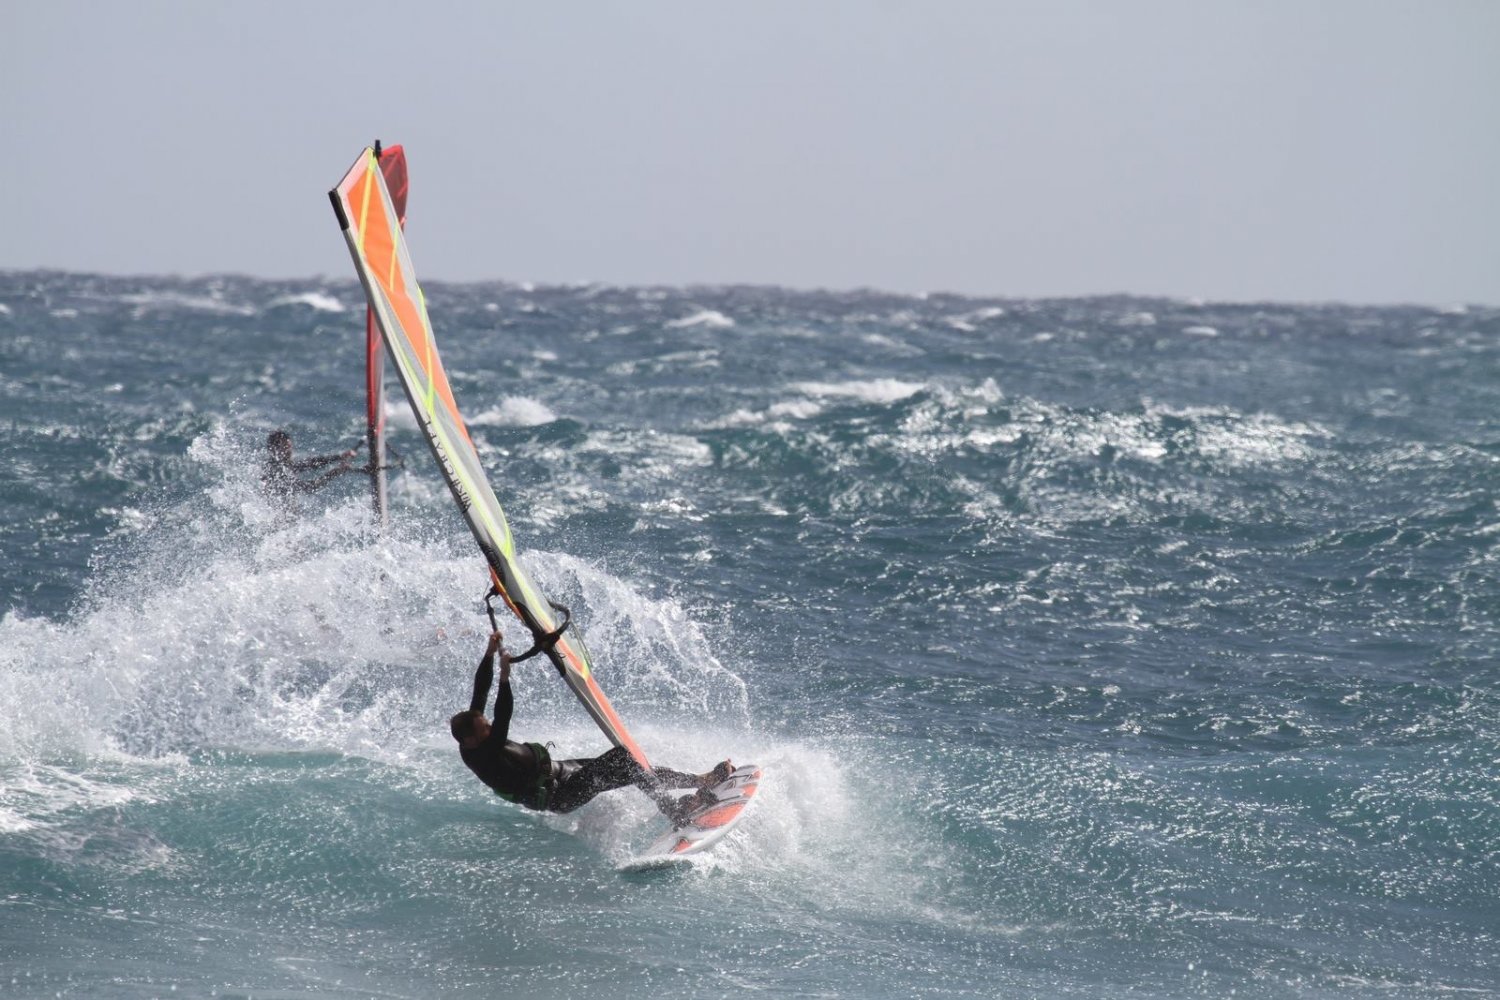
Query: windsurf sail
[372, 227]
[393, 169]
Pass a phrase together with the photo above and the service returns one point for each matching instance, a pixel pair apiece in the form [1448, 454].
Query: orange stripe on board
[719, 816]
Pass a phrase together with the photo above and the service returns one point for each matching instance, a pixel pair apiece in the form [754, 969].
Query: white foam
[515, 411]
[656, 655]
[983, 439]
[1200, 331]
[398, 414]
[271, 654]
[969, 322]
[951, 420]
[147, 301]
[33, 794]
[987, 392]
[652, 457]
[711, 318]
[740, 417]
[798, 409]
[4, 309]
[1256, 439]
[320, 301]
[880, 340]
[879, 390]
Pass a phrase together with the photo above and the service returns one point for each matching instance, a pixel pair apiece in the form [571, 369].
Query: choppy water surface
[1092, 647]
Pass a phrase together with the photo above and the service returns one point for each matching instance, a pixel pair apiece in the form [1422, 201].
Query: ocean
[1094, 647]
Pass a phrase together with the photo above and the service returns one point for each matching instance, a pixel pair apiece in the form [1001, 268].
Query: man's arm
[318, 461]
[314, 485]
[504, 702]
[485, 675]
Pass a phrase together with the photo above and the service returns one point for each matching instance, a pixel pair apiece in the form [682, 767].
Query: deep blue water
[1104, 647]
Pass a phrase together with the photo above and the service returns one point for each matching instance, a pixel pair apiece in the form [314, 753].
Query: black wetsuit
[526, 773]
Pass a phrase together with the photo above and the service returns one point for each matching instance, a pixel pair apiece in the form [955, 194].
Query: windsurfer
[526, 773]
[280, 475]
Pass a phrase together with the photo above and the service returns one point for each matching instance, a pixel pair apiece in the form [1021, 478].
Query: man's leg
[582, 779]
[668, 778]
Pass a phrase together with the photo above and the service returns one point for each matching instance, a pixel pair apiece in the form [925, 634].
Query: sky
[1291, 150]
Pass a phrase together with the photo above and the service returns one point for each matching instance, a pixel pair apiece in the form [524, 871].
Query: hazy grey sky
[1346, 149]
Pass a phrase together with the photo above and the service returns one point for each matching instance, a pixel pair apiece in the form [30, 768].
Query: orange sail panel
[372, 227]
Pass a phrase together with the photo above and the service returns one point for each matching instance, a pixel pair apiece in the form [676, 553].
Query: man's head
[279, 444]
[470, 729]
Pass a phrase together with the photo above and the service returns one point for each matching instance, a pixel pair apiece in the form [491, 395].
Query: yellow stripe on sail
[430, 344]
[390, 273]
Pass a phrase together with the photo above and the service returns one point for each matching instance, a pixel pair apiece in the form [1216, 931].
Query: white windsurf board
[705, 826]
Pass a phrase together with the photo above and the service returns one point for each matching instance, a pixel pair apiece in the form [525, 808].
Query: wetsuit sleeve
[317, 462]
[504, 705]
[483, 678]
[314, 485]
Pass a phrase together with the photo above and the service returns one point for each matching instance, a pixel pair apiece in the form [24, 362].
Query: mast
[393, 167]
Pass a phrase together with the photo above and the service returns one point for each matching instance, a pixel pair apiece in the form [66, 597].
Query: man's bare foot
[721, 772]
